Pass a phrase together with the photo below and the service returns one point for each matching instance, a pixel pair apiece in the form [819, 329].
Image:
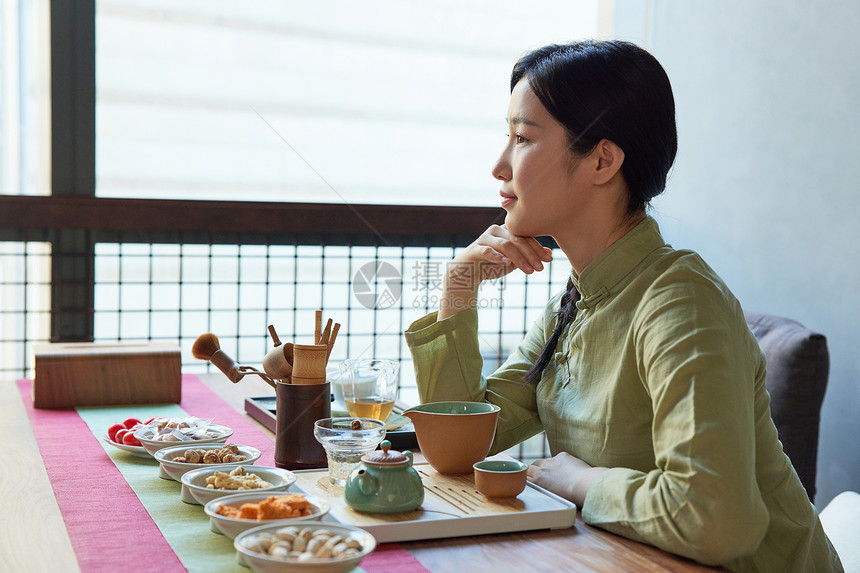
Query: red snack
[113, 430]
[129, 422]
[119, 435]
[129, 439]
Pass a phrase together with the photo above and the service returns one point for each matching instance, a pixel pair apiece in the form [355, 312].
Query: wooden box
[89, 374]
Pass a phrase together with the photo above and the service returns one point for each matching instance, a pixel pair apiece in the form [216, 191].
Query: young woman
[643, 373]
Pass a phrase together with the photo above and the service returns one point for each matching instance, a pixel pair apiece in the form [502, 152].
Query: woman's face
[541, 190]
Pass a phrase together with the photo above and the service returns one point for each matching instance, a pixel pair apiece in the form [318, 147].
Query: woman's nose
[502, 168]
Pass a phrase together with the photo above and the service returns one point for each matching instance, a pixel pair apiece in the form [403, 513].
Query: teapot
[384, 482]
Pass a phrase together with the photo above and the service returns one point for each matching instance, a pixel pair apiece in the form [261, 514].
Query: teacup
[454, 435]
[500, 478]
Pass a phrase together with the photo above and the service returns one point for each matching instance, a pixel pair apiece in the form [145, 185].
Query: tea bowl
[454, 435]
[499, 479]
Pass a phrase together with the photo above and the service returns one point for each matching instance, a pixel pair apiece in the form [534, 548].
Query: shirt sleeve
[695, 358]
[448, 366]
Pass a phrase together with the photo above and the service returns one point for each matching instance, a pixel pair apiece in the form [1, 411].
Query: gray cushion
[797, 368]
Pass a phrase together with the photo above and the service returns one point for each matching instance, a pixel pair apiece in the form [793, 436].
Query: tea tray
[452, 508]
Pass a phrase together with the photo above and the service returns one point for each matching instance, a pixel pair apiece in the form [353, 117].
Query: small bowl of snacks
[165, 432]
[311, 547]
[233, 514]
[205, 484]
[121, 436]
[177, 460]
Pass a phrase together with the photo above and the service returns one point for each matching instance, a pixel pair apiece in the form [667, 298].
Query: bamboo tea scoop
[278, 362]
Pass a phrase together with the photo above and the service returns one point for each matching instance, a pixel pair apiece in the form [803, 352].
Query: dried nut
[320, 532]
[180, 459]
[193, 456]
[333, 540]
[285, 536]
[253, 544]
[314, 545]
[339, 549]
[294, 555]
[353, 544]
[227, 458]
[279, 552]
[265, 541]
[306, 534]
[350, 552]
[300, 543]
[324, 552]
[232, 447]
[211, 458]
[305, 557]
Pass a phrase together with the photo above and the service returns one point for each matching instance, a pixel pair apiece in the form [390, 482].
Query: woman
[643, 373]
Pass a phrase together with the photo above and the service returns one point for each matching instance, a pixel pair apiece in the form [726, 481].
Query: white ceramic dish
[194, 488]
[265, 564]
[152, 446]
[133, 450]
[175, 470]
[231, 527]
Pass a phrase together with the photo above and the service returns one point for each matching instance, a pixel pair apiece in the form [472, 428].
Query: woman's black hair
[610, 90]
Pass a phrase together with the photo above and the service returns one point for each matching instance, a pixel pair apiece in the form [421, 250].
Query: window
[386, 102]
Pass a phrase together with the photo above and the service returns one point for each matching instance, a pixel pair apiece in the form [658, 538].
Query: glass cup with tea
[369, 387]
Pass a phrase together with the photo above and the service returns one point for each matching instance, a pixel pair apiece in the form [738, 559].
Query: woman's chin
[518, 227]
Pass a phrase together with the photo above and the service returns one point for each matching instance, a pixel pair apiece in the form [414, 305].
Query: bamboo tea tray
[452, 508]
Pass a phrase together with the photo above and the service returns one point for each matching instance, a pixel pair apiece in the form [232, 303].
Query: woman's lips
[507, 199]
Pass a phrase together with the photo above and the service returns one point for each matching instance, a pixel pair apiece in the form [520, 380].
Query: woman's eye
[520, 139]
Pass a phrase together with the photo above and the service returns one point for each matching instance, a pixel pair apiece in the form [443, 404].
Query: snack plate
[452, 508]
[133, 450]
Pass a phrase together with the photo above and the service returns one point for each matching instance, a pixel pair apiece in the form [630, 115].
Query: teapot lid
[385, 457]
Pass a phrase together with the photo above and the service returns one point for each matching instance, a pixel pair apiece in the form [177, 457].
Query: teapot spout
[367, 484]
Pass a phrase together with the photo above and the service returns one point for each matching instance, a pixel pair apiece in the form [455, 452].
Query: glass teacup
[368, 386]
[345, 440]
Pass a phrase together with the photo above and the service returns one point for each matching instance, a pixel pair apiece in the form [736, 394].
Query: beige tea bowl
[454, 435]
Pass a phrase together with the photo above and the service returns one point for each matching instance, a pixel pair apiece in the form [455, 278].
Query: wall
[766, 179]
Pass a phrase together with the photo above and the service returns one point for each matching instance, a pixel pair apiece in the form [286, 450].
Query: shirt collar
[601, 277]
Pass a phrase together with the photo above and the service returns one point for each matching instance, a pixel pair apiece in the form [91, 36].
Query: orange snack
[227, 511]
[273, 507]
[284, 507]
[249, 511]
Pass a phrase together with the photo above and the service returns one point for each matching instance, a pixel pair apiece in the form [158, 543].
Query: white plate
[194, 488]
[133, 450]
[231, 527]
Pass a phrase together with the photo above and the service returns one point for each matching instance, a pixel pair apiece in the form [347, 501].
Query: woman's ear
[608, 160]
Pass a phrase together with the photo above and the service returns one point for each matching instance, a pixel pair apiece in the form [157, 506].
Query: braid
[565, 315]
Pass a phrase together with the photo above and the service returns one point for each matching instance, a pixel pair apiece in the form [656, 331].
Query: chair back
[798, 364]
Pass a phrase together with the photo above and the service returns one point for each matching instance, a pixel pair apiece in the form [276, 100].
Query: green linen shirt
[659, 379]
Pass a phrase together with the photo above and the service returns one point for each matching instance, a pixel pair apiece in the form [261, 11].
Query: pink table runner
[102, 543]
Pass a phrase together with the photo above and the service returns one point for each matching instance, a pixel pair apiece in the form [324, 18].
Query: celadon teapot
[384, 482]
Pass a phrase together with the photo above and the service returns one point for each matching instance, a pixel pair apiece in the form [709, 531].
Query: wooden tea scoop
[331, 339]
[207, 347]
[317, 326]
[278, 362]
[325, 333]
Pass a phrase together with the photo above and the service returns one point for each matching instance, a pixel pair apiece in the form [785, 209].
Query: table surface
[33, 536]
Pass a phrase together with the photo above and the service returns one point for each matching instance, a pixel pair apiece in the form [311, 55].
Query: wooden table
[33, 536]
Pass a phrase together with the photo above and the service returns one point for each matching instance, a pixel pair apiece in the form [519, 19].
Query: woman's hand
[565, 476]
[493, 255]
